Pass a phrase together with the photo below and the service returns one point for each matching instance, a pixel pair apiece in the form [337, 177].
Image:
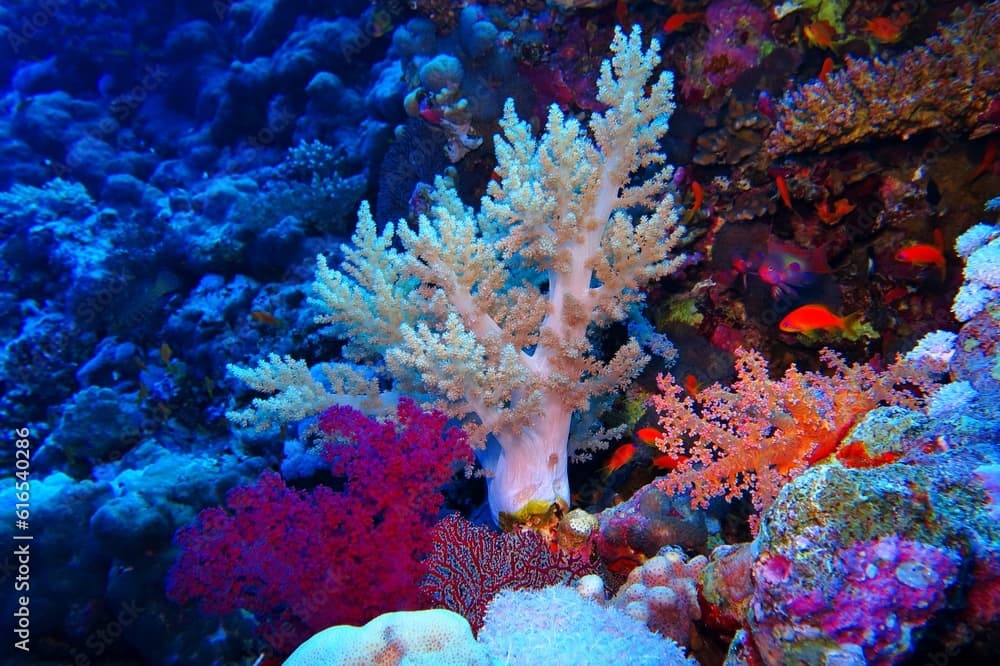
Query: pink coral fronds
[303, 560]
[758, 434]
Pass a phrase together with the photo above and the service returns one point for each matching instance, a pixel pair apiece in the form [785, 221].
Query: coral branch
[759, 434]
[945, 84]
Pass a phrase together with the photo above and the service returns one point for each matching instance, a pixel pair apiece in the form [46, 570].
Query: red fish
[699, 195]
[825, 70]
[765, 105]
[667, 461]
[887, 30]
[678, 21]
[815, 317]
[648, 435]
[619, 458]
[857, 456]
[924, 254]
[265, 317]
[989, 157]
[894, 294]
[786, 196]
[621, 14]
[820, 33]
[841, 207]
[691, 385]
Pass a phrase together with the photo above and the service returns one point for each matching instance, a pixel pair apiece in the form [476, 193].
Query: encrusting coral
[486, 315]
[947, 84]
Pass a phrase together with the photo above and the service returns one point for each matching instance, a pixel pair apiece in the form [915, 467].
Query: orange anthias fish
[783, 192]
[648, 435]
[825, 70]
[989, 157]
[667, 461]
[820, 33]
[841, 207]
[265, 317]
[699, 196]
[621, 13]
[678, 21]
[619, 458]
[663, 461]
[815, 317]
[691, 385]
[856, 455]
[924, 254]
[887, 30]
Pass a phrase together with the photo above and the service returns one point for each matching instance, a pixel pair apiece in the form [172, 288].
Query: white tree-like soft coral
[486, 315]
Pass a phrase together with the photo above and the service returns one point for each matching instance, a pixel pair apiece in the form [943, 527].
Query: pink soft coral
[304, 560]
[758, 434]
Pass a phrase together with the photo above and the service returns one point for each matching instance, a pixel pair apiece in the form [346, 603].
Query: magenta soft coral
[305, 560]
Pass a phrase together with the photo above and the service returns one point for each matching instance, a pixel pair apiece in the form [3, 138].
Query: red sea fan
[470, 564]
[303, 560]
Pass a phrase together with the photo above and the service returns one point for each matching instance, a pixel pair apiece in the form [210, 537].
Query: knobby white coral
[485, 315]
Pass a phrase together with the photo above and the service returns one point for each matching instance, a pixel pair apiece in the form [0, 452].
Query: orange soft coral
[759, 433]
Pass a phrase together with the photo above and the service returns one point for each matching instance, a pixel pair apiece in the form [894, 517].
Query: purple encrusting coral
[868, 601]
[989, 476]
[739, 30]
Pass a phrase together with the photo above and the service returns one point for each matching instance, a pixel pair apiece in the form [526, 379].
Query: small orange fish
[989, 157]
[786, 196]
[691, 385]
[166, 353]
[668, 462]
[264, 317]
[924, 254]
[621, 13]
[820, 33]
[856, 455]
[619, 458]
[678, 21]
[648, 435]
[699, 196]
[887, 30]
[825, 69]
[894, 294]
[828, 444]
[824, 449]
[813, 317]
[841, 207]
